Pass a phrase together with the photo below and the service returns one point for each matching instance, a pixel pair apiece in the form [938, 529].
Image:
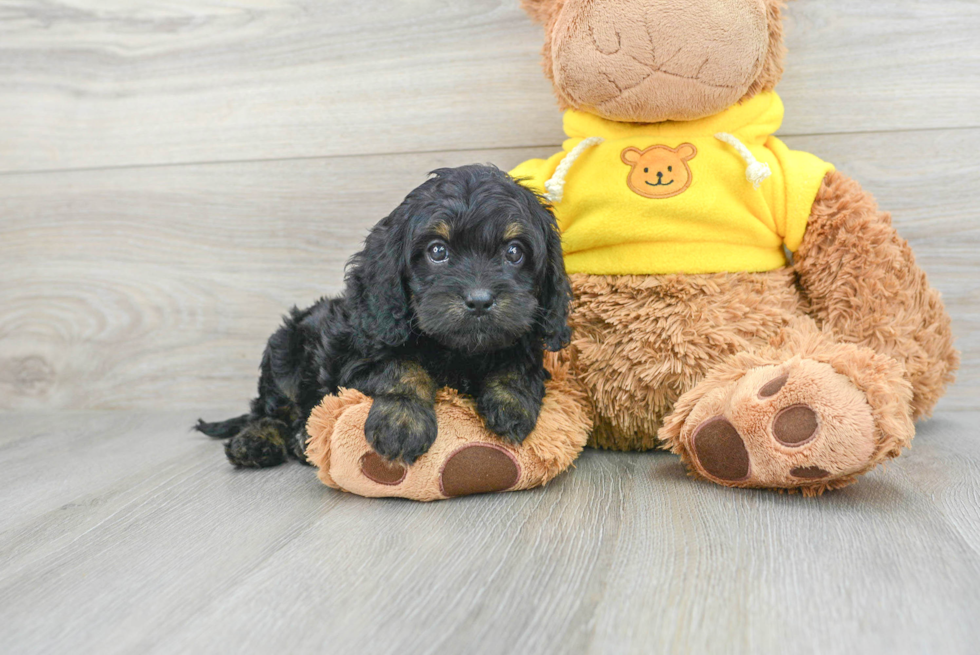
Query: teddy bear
[742, 304]
[677, 207]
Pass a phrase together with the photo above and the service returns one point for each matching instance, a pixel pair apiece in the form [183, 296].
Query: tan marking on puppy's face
[659, 171]
[513, 231]
[441, 228]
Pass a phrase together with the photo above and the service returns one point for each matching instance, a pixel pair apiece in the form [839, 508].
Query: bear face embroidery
[659, 171]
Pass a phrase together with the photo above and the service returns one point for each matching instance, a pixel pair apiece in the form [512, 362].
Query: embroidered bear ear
[632, 155]
[686, 151]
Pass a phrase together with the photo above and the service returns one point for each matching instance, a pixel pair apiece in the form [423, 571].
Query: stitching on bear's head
[550, 11]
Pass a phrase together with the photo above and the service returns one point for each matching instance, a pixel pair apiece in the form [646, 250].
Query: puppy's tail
[223, 429]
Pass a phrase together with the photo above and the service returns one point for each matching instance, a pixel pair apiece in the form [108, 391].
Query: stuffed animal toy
[676, 203]
[691, 331]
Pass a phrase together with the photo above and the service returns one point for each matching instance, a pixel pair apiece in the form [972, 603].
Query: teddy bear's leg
[862, 284]
[806, 412]
[640, 342]
[465, 458]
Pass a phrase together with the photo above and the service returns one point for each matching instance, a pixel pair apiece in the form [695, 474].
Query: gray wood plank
[84, 453]
[167, 549]
[91, 84]
[157, 287]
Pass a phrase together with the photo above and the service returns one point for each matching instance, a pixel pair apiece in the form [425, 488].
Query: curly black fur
[411, 321]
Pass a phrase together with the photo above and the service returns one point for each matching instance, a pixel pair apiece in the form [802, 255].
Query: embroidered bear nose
[479, 301]
[660, 174]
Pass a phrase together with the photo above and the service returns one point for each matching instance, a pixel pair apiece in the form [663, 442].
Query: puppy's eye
[437, 252]
[514, 253]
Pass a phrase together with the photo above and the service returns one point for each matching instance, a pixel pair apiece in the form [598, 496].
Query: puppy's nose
[479, 301]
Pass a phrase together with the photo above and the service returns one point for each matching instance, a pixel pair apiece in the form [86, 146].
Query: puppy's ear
[376, 292]
[555, 292]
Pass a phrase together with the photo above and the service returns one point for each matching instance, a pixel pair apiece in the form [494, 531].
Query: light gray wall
[170, 183]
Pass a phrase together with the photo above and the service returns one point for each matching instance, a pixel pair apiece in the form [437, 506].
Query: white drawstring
[556, 185]
[757, 172]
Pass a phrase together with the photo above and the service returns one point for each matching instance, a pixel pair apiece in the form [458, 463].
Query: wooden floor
[122, 532]
[175, 174]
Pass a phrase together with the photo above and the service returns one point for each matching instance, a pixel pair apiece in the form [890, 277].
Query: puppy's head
[471, 259]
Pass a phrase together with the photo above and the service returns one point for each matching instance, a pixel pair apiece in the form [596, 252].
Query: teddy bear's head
[646, 61]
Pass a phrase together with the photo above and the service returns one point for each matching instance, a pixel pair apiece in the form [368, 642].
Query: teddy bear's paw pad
[720, 450]
[771, 388]
[795, 426]
[377, 469]
[478, 468]
[799, 424]
[810, 473]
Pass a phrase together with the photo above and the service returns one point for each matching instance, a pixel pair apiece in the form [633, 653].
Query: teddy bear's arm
[862, 282]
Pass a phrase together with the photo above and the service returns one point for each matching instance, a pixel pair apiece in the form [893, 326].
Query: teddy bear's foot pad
[377, 469]
[809, 473]
[721, 451]
[798, 425]
[795, 426]
[477, 469]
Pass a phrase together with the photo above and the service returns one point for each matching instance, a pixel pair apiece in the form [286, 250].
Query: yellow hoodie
[674, 197]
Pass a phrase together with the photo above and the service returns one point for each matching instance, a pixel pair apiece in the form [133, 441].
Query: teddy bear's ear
[540, 10]
[631, 155]
[686, 151]
[772, 68]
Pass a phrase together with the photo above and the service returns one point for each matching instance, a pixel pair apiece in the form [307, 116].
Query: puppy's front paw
[508, 415]
[400, 428]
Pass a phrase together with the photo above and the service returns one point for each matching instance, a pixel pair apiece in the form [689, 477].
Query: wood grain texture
[132, 535]
[86, 83]
[157, 287]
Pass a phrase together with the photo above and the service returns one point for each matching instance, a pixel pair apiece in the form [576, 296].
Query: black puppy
[463, 285]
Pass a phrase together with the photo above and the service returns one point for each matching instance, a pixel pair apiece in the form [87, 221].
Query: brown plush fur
[620, 73]
[862, 283]
[772, 69]
[639, 342]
